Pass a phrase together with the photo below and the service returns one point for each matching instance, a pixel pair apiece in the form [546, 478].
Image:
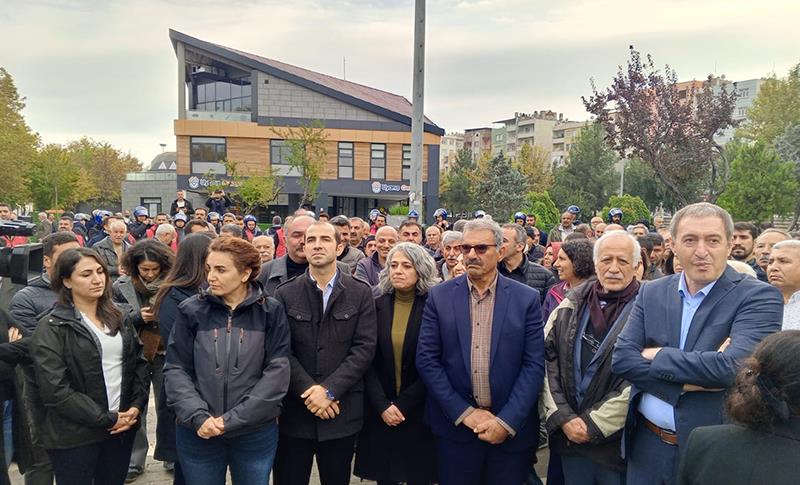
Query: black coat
[11, 354]
[333, 349]
[69, 402]
[403, 453]
[735, 455]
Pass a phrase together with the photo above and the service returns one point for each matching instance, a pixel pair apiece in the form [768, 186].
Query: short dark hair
[195, 222]
[50, 241]
[646, 243]
[574, 236]
[580, 253]
[147, 250]
[747, 226]
[767, 389]
[340, 221]
[232, 229]
[656, 238]
[336, 236]
[409, 222]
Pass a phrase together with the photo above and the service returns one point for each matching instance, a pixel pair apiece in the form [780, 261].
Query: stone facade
[281, 99]
[153, 186]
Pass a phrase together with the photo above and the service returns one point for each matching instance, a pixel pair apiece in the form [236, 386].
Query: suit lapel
[499, 314]
[721, 288]
[461, 310]
[674, 306]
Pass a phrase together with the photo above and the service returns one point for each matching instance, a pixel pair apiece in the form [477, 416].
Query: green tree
[788, 147]
[776, 107]
[761, 185]
[307, 151]
[457, 187]
[641, 181]
[533, 162]
[56, 181]
[500, 190]
[588, 177]
[248, 191]
[18, 143]
[633, 208]
[107, 167]
[540, 204]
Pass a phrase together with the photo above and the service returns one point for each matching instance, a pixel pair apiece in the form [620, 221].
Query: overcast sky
[106, 68]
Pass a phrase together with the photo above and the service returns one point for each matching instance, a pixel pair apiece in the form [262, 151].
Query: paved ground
[156, 475]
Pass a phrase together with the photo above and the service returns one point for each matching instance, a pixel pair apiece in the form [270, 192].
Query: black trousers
[99, 463]
[295, 456]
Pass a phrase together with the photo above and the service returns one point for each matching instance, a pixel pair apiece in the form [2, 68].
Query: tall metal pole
[418, 117]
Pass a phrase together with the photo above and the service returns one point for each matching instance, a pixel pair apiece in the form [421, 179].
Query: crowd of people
[650, 353]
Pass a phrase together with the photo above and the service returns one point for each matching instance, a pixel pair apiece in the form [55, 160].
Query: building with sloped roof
[233, 105]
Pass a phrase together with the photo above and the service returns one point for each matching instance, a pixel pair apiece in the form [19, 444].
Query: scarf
[605, 307]
[147, 291]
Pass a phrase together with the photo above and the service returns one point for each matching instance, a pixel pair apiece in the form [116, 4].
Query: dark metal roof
[383, 103]
[164, 162]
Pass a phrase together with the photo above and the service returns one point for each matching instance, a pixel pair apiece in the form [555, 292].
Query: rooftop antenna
[163, 146]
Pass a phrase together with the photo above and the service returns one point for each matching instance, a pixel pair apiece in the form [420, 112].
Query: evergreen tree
[761, 185]
[588, 177]
[533, 162]
[500, 190]
[457, 188]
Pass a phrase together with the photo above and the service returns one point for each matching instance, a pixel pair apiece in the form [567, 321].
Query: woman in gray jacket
[227, 371]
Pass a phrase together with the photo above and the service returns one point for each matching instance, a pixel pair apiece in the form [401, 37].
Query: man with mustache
[585, 403]
[764, 244]
[451, 250]
[744, 241]
[480, 355]
[685, 339]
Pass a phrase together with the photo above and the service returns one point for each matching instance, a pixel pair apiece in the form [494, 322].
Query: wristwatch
[329, 395]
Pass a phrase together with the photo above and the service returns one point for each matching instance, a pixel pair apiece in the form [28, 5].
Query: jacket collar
[254, 295]
[278, 268]
[66, 313]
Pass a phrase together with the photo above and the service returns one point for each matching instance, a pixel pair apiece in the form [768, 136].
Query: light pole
[418, 116]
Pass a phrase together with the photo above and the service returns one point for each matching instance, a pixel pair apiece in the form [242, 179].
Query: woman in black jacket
[91, 377]
[763, 444]
[395, 444]
[227, 371]
[187, 277]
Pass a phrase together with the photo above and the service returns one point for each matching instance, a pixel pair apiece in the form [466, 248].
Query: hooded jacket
[68, 400]
[228, 363]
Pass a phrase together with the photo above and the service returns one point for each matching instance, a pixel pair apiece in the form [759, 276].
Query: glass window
[377, 161]
[406, 162]
[223, 90]
[279, 152]
[207, 154]
[345, 160]
[153, 204]
[201, 93]
[246, 92]
[236, 90]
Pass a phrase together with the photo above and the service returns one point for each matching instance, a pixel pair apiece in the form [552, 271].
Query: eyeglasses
[479, 248]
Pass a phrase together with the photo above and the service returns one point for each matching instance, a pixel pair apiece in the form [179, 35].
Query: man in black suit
[684, 341]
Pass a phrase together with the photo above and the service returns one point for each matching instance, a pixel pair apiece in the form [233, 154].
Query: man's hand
[331, 412]
[147, 314]
[315, 399]
[576, 430]
[696, 388]
[724, 345]
[211, 427]
[491, 431]
[14, 334]
[477, 417]
[392, 416]
[650, 352]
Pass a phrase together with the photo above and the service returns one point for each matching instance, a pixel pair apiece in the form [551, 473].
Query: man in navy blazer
[684, 341]
[481, 356]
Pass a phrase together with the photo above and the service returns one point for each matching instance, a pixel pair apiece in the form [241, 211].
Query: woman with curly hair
[763, 443]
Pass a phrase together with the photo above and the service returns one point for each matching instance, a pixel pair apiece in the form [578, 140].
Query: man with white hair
[167, 234]
[783, 272]
[685, 340]
[585, 403]
[113, 247]
[266, 247]
[451, 250]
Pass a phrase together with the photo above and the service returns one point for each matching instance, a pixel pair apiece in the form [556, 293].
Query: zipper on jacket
[227, 361]
[239, 348]
[216, 349]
